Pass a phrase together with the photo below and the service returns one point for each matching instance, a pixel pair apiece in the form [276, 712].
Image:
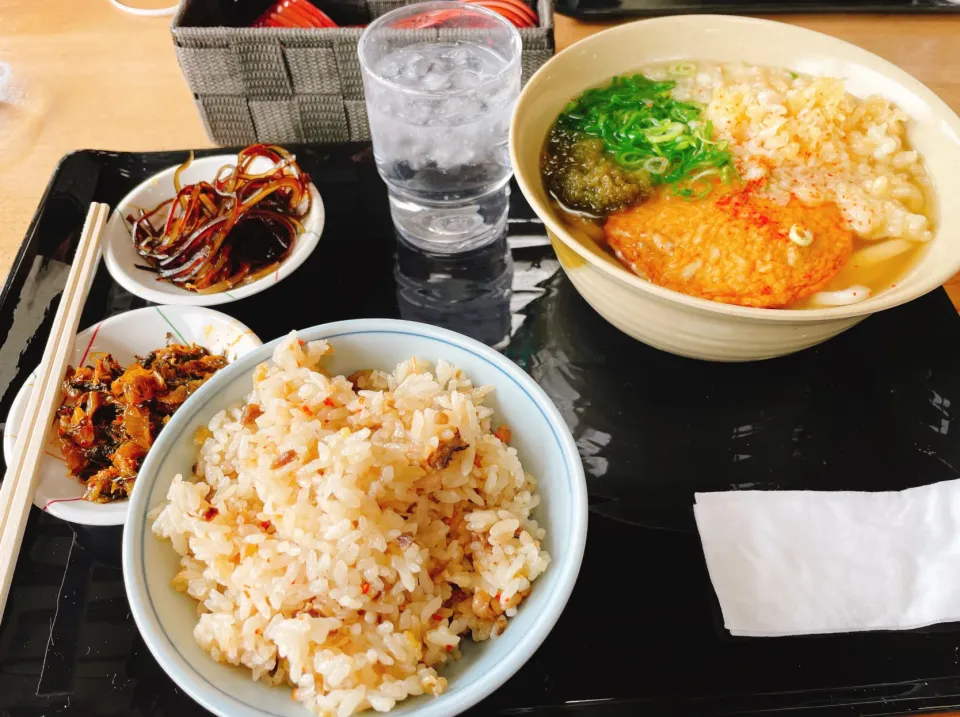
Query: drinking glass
[439, 114]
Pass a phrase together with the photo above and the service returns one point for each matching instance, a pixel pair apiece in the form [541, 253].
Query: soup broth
[746, 185]
[877, 277]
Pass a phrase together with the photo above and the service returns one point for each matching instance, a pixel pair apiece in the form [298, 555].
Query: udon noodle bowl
[754, 186]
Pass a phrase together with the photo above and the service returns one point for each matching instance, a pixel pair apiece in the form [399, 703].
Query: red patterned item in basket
[515, 11]
[303, 14]
[294, 13]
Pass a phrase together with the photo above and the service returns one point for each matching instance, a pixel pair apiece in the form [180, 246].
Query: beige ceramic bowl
[696, 327]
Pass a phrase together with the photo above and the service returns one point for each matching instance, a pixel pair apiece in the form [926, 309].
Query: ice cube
[465, 79]
[435, 80]
[389, 68]
[444, 64]
[416, 111]
[458, 56]
[474, 64]
[416, 68]
[463, 110]
[451, 154]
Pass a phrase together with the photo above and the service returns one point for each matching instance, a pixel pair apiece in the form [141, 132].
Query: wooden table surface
[84, 75]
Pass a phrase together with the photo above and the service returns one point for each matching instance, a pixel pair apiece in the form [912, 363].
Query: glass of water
[439, 112]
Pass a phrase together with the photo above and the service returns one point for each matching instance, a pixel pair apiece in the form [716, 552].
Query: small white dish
[166, 618]
[125, 335]
[122, 259]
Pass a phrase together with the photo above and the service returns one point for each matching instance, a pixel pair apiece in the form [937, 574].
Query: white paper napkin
[804, 562]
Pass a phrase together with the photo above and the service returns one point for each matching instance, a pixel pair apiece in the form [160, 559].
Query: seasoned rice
[344, 537]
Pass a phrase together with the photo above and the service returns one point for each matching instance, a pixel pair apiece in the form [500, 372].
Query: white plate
[122, 259]
[133, 333]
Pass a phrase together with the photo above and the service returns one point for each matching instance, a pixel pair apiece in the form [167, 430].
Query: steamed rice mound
[343, 536]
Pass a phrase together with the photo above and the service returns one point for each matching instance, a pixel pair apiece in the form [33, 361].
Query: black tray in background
[611, 9]
[871, 409]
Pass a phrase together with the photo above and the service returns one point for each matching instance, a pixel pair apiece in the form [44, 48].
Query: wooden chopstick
[77, 285]
[25, 430]
[20, 480]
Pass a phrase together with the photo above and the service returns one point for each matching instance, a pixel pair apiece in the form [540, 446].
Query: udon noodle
[745, 185]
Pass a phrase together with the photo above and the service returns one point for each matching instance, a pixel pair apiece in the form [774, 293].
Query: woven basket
[289, 85]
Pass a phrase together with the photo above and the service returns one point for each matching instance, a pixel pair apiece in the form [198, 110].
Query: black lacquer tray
[871, 409]
[611, 9]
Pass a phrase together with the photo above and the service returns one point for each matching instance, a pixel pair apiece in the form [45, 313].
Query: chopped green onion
[665, 134]
[656, 165]
[704, 189]
[631, 159]
[705, 174]
[801, 236]
[682, 69]
[794, 75]
[695, 190]
[643, 126]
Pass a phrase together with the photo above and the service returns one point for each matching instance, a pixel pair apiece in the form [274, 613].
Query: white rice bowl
[332, 548]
